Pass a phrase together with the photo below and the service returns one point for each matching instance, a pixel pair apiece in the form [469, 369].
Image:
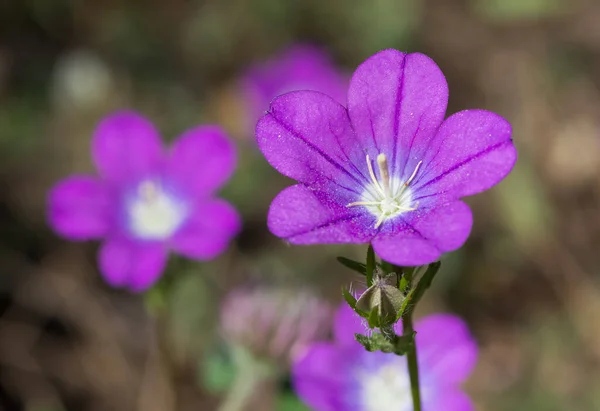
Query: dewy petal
[202, 159]
[125, 263]
[307, 136]
[126, 146]
[317, 377]
[425, 236]
[471, 152]
[208, 230]
[396, 102]
[80, 208]
[299, 216]
[447, 351]
[346, 324]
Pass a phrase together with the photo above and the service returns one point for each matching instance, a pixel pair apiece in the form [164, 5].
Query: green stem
[413, 365]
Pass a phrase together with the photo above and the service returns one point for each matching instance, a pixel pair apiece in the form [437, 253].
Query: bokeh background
[526, 281]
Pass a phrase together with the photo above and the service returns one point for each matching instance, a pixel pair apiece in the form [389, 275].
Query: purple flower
[300, 67]
[147, 201]
[388, 169]
[343, 376]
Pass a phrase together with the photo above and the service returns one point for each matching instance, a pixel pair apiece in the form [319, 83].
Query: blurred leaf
[289, 402]
[217, 373]
[353, 265]
[192, 311]
[519, 9]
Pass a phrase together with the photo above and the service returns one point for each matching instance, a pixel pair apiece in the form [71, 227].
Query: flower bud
[382, 301]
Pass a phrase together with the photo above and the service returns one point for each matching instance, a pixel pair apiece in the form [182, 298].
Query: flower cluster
[388, 169]
[146, 200]
[342, 376]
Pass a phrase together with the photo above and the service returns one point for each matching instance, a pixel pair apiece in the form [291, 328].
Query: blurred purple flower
[147, 201]
[388, 169]
[343, 376]
[275, 323]
[300, 67]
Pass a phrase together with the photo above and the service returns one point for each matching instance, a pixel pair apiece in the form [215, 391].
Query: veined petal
[126, 146]
[396, 102]
[80, 208]
[301, 217]
[471, 152]
[346, 324]
[447, 351]
[208, 231]
[201, 160]
[423, 238]
[307, 136]
[317, 377]
[131, 264]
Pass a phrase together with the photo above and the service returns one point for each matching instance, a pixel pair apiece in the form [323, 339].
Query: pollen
[386, 197]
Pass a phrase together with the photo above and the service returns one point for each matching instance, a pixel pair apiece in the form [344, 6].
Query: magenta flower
[147, 201]
[343, 376]
[300, 67]
[388, 169]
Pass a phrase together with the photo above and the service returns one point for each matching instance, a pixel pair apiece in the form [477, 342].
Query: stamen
[373, 178]
[384, 173]
[363, 203]
[413, 174]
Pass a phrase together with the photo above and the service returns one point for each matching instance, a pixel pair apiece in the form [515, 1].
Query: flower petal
[126, 146]
[202, 159]
[317, 377]
[307, 136]
[471, 152]
[208, 231]
[346, 324]
[129, 264]
[424, 237]
[447, 350]
[80, 208]
[301, 217]
[396, 102]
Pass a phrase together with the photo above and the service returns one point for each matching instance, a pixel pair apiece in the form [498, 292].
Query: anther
[384, 173]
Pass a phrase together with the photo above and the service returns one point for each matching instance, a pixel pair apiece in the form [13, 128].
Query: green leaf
[353, 265]
[415, 294]
[349, 298]
[217, 373]
[403, 285]
[373, 319]
[370, 265]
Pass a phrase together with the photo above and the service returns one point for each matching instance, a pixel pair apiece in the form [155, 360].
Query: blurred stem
[251, 374]
[411, 358]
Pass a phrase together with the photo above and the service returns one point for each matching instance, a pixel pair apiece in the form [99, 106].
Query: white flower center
[389, 197]
[387, 388]
[153, 213]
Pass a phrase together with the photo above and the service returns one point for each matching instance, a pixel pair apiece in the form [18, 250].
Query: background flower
[299, 67]
[146, 201]
[343, 376]
[388, 169]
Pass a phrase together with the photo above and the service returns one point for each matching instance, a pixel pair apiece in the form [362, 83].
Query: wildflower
[343, 376]
[387, 169]
[275, 323]
[146, 201]
[300, 67]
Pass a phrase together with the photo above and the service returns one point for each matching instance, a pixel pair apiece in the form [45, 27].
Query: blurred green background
[526, 281]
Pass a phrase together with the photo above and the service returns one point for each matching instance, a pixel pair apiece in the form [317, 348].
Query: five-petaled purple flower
[343, 376]
[300, 67]
[147, 201]
[387, 169]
